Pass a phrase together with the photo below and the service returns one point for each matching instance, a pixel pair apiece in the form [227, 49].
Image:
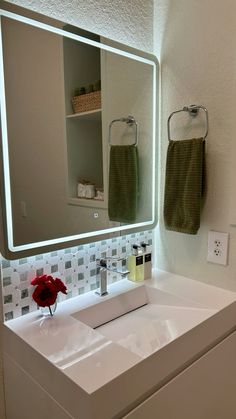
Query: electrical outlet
[218, 247]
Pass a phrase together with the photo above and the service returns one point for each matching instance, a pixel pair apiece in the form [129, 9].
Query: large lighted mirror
[78, 120]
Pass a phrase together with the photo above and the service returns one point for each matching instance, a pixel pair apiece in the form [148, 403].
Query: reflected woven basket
[87, 102]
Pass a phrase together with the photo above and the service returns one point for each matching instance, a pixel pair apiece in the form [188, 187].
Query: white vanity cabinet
[61, 368]
[205, 390]
[25, 398]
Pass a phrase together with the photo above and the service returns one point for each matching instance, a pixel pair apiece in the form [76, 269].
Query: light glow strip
[6, 167]
[5, 151]
[154, 144]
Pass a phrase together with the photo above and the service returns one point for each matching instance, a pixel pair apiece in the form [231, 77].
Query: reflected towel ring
[193, 110]
[130, 120]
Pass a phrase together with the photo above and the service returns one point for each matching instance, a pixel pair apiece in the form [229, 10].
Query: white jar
[81, 191]
[90, 191]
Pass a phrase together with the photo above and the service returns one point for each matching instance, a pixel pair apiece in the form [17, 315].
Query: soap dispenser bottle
[147, 255]
[136, 265]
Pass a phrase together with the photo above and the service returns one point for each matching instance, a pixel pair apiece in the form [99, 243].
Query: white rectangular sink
[143, 319]
[109, 308]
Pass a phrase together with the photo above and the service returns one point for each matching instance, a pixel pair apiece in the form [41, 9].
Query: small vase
[49, 310]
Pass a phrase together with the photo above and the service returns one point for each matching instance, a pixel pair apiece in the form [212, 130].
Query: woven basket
[87, 102]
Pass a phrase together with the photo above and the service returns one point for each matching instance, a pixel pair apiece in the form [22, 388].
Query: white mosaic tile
[75, 266]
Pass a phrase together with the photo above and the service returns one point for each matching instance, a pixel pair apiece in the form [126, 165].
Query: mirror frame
[8, 249]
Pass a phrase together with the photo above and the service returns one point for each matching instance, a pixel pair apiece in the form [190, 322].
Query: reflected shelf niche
[84, 139]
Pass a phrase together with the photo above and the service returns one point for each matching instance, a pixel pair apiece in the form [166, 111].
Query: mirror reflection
[77, 164]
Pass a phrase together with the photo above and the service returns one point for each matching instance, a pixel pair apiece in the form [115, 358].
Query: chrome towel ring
[130, 120]
[193, 110]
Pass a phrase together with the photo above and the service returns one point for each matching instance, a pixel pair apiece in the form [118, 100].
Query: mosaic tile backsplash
[76, 266]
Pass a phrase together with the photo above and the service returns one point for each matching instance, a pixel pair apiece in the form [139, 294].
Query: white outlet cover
[218, 244]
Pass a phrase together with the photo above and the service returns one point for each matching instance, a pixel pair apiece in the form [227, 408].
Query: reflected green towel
[123, 183]
[184, 185]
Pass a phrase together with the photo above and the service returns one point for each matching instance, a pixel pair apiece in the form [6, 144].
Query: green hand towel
[184, 185]
[123, 183]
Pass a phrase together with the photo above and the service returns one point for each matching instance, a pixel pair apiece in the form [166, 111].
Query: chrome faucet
[103, 267]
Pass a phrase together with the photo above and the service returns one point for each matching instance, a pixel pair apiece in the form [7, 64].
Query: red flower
[60, 286]
[47, 288]
[39, 279]
[45, 294]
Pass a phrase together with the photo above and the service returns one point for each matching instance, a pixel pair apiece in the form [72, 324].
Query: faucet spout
[103, 282]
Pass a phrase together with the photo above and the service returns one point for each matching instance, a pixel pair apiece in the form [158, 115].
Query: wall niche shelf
[89, 115]
[91, 203]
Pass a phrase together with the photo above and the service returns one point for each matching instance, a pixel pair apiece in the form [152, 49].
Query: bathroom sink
[112, 307]
[143, 319]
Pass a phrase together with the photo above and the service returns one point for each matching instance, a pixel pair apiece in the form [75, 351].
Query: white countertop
[91, 359]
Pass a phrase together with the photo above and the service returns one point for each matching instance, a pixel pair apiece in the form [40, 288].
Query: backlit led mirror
[78, 119]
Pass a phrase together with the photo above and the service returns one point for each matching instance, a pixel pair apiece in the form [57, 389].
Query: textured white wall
[199, 66]
[160, 16]
[129, 22]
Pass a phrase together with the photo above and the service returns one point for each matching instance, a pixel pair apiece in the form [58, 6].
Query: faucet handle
[103, 261]
[114, 258]
[123, 272]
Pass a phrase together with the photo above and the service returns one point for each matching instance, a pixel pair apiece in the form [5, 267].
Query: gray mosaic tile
[39, 272]
[93, 272]
[24, 276]
[81, 290]
[23, 261]
[9, 316]
[94, 286]
[80, 276]
[24, 293]
[80, 261]
[6, 281]
[75, 266]
[68, 264]
[53, 254]
[68, 280]
[54, 268]
[25, 310]
[92, 258]
[5, 263]
[7, 299]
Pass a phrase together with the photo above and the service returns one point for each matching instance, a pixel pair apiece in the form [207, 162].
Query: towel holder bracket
[193, 111]
[129, 120]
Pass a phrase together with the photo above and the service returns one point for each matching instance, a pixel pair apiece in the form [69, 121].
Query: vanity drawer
[205, 390]
[25, 398]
